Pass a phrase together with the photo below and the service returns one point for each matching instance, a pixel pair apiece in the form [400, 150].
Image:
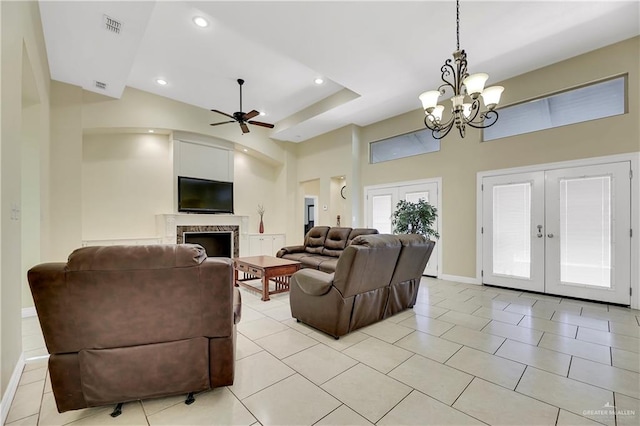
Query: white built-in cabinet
[265, 244]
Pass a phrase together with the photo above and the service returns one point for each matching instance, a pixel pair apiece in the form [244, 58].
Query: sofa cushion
[314, 240]
[314, 261]
[360, 231]
[336, 241]
[328, 266]
[296, 256]
[127, 258]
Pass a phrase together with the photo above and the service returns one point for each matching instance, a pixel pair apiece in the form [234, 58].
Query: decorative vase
[261, 228]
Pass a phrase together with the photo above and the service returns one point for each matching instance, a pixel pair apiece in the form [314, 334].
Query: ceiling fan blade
[260, 123]
[222, 122]
[250, 115]
[244, 127]
[223, 113]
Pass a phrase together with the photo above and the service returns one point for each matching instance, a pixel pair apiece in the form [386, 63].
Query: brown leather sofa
[323, 246]
[376, 276]
[124, 323]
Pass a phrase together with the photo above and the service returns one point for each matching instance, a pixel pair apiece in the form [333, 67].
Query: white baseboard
[7, 398]
[29, 312]
[458, 279]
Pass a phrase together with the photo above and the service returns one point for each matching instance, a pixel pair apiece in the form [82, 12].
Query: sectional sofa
[375, 277]
[322, 246]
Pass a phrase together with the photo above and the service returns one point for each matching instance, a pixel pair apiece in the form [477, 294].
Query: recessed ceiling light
[262, 113]
[200, 21]
[161, 82]
[318, 81]
[245, 150]
[151, 131]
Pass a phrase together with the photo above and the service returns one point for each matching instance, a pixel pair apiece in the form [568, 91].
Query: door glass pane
[414, 197]
[585, 231]
[512, 230]
[381, 212]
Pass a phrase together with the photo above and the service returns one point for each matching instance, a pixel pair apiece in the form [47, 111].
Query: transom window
[407, 145]
[597, 100]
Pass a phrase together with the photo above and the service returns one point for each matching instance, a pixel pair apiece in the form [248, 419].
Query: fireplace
[217, 240]
[216, 244]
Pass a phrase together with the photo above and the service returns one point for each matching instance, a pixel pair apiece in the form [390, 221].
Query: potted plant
[415, 218]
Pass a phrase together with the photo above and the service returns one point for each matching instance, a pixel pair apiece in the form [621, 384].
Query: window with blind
[512, 230]
[598, 100]
[586, 231]
[407, 145]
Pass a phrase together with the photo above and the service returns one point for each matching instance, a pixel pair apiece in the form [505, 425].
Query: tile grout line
[521, 376]
[544, 402]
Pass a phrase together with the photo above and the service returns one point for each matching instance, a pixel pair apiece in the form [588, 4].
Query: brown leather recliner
[124, 323]
[376, 276]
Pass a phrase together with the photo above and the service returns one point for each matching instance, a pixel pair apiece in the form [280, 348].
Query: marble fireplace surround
[172, 226]
[235, 230]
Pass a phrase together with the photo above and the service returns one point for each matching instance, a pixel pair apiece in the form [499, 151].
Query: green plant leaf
[415, 218]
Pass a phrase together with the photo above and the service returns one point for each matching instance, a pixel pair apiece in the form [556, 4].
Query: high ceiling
[375, 57]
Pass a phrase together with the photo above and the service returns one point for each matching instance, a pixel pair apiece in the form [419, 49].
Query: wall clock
[342, 192]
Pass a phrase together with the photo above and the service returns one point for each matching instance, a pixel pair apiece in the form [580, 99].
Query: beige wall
[66, 171]
[338, 204]
[126, 180]
[24, 139]
[75, 112]
[459, 160]
[257, 182]
[325, 157]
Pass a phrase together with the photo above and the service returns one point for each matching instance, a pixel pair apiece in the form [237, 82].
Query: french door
[381, 203]
[564, 231]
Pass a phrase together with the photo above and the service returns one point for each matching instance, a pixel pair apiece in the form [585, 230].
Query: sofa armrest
[237, 306]
[289, 250]
[313, 282]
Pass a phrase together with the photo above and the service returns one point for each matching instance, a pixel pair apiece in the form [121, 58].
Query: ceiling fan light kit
[465, 102]
[241, 117]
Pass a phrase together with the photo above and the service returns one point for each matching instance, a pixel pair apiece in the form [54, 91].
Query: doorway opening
[310, 212]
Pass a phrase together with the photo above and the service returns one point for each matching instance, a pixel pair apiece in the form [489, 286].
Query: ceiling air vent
[111, 24]
[101, 85]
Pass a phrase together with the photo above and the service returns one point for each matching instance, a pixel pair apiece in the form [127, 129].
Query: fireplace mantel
[167, 226]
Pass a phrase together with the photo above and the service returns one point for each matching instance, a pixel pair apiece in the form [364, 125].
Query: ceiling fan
[241, 117]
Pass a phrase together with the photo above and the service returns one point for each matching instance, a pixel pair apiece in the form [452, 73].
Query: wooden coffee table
[268, 268]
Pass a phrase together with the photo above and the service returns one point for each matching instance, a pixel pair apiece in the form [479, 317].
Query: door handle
[540, 235]
[550, 235]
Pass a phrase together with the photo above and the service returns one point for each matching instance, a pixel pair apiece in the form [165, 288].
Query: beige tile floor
[464, 355]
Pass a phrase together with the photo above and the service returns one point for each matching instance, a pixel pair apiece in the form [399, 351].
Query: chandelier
[467, 90]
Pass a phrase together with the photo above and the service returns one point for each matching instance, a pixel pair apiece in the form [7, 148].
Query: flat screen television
[204, 195]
